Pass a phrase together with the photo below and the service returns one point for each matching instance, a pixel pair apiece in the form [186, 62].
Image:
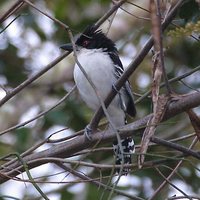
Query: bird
[98, 56]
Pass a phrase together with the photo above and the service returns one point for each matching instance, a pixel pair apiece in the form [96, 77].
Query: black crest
[95, 39]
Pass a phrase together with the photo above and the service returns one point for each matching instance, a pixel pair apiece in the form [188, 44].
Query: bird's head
[92, 39]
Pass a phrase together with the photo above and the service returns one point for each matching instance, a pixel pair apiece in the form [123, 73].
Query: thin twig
[172, 80]
[97, 183]
[138, 6]
[163, 19]
[63, 25]
[30, 176]
[178, 147]
[137, 17]
[11, 23]
[172, 173]
[183, 197]
[170, 183]
[109, 13]
[40, 114]
[32, 78]
[188, 86]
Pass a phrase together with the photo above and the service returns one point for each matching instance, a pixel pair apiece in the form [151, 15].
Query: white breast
[99, 68]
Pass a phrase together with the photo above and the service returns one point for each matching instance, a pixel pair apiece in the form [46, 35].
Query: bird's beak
[67, 47]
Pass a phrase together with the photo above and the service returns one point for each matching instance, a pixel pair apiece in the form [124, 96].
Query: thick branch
[79, 143]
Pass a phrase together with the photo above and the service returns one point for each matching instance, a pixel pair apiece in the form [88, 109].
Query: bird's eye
[85, 43]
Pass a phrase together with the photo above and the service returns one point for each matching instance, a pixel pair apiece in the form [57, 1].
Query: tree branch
[15, 7]
[171, 174]
[97, 183]
[32, 78]
[79, 143]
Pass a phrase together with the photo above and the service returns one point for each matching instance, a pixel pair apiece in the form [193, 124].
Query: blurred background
[32, 41]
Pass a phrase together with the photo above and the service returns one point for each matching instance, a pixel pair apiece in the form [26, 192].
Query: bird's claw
[114, 88]
[88, 132]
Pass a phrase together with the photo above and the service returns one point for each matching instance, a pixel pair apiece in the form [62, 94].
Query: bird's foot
[114, 88]
[88, 132]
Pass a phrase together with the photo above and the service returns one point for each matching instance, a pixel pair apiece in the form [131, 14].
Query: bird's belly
[101, 75]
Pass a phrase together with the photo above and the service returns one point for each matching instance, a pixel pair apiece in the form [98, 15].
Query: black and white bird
[99, 57]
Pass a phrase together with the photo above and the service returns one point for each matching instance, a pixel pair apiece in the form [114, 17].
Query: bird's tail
[123, 154]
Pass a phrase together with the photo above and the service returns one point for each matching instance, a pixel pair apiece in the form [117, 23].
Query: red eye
[85, 43]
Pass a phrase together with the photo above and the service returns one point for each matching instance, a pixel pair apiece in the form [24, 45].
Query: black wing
[130, 107]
